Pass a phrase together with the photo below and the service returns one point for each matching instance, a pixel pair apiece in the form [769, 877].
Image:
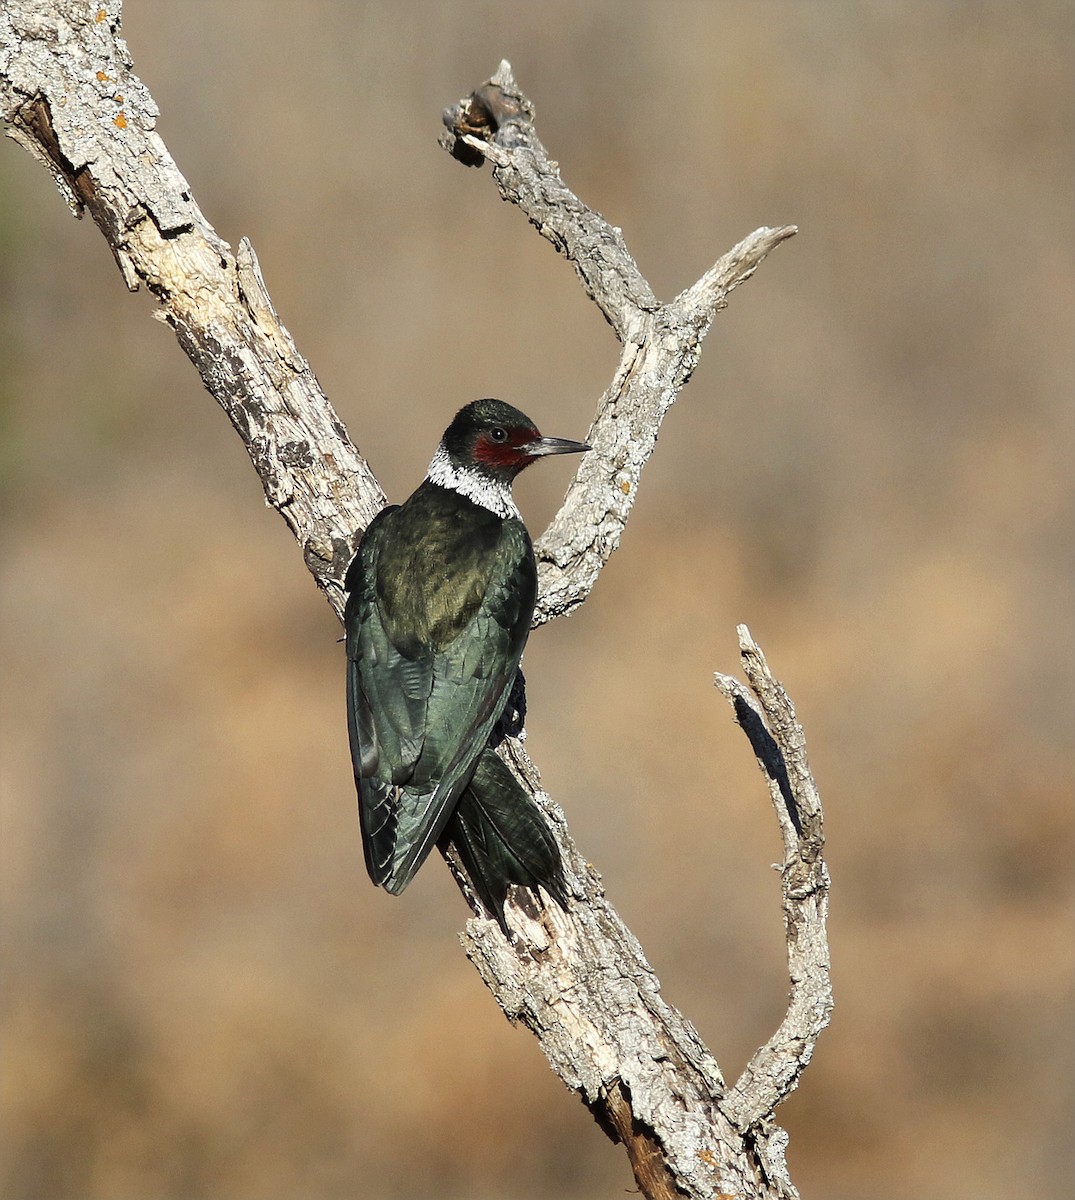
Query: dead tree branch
[70, 96]
[767, 716]
[661, 342]
[579, 980]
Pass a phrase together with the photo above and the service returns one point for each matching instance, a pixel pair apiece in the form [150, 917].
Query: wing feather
[420, 715]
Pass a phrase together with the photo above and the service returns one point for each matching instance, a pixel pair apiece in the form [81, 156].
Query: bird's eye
[498, 435]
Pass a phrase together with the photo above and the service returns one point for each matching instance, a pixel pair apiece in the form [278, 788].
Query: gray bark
[579, 979]
[661, 342]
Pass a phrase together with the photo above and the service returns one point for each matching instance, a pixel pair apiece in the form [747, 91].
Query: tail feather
[502, 838]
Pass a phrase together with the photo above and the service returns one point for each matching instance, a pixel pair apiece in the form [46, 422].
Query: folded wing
[420, 711]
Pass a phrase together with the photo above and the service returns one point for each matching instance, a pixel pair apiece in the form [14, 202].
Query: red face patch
[500, 449]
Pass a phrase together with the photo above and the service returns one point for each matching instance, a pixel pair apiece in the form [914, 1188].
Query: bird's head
[498, 441]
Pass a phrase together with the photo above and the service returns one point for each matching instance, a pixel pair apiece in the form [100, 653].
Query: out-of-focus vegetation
[203, 995]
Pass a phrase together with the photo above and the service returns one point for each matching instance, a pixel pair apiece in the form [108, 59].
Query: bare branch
[70, 95]
[579, 979]
[768, 719]
[496, 122]
[661, 341]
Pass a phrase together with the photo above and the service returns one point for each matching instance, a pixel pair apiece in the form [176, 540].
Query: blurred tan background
[203, 996]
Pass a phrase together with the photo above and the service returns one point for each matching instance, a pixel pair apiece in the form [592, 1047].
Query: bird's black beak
[541, 446]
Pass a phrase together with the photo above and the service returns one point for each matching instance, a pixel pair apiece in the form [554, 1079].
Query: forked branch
[578, 979]
[661, 341]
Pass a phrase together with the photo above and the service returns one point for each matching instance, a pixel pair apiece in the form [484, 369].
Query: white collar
[474, 484]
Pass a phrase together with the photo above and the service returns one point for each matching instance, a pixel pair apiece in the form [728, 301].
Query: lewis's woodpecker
[441, 597]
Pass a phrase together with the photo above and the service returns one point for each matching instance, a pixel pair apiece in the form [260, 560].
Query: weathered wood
[579, 979]
[661, 342]
[71, 97]
[767, 716]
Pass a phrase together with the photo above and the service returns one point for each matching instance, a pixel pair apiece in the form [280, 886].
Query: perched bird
[441, 596]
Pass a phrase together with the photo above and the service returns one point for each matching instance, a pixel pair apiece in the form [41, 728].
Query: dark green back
[442, 594]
